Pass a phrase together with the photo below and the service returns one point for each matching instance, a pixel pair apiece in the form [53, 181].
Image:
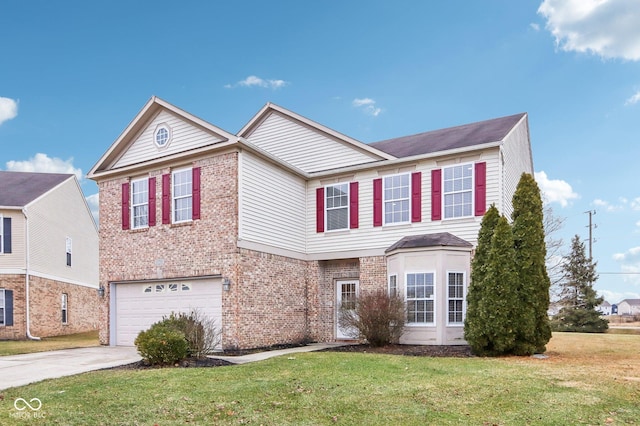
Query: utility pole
[591, 227]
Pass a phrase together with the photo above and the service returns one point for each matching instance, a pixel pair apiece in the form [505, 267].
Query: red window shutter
[152, 201]
[195, 208]
[126, 224]
[353, 205]
[166, 199]
[480, 188]
[436, 194]
[320, 210]
[377, 202]
[416, 197]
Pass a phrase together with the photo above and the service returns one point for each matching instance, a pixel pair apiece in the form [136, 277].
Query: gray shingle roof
[17, 189]
[466, 135]
[430, 240]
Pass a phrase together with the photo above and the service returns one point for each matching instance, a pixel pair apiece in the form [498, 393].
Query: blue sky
[73, 75]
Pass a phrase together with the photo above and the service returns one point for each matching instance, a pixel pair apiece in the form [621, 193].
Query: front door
[346, 293]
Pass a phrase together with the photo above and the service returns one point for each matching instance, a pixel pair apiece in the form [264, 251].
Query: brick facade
[45, 307]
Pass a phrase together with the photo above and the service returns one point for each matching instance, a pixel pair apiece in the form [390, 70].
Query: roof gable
[18, 189]
[467, 135]
[305, 144]
[136, 143]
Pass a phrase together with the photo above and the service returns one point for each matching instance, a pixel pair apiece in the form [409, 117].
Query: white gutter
[26, 272]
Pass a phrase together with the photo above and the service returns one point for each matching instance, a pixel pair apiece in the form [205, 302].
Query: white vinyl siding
[337, 206]
[305, 148]
[62, 213]
[272, 205]
[184, 137]
[181, 195]
[139, 203]
[516, 159]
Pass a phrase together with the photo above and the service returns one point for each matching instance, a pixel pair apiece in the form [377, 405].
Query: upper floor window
[181, 195]
[455, 298]
[420, 298]
[162, 135]
[397, 193]
[5, 234]
[458, 191]
[140, 203]
[337, 206]
[68, 244]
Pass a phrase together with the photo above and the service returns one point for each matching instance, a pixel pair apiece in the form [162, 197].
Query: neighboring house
[48, 257]
[269, 231]
[604, 308]
[629, 307]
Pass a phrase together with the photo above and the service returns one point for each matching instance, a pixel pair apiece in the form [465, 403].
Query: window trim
[432, 298]
[3, 305]
[462, 298]
[144, 182]
[68, 244]
[347, 206]
[472, 190]
[1, 234]
[189, 173]
[408, 199]
[396, 290]
[64, 308]
[167, 128]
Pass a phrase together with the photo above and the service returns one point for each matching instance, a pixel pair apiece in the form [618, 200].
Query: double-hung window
[397, 193]
[64, 301]
[455, 298]
[337, 206]
[393, 285]
[140, 203]
[420, 298]
[181, 195]
[2, 307]
[458, 191]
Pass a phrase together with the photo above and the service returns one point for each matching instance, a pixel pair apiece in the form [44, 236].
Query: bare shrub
[200, 331]
[375, 316]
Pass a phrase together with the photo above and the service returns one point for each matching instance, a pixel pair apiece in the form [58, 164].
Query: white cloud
[93, 201]
[629, 264]
[616, 296]
[607, 28]
[534, 26]
[8, 109]
[367, 105]
[555, 190]
[45, 164]
[254, 81]
[623, 204]
[633, 99]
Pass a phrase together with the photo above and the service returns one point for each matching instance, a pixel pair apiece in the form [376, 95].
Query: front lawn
[80, 340]
[587, 379]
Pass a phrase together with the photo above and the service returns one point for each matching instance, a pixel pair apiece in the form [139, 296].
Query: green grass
[325, 388]
[80, 340]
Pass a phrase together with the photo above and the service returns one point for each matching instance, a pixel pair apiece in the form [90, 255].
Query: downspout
[26, 273]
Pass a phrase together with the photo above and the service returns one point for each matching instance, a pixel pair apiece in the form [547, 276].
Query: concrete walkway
[20, 370]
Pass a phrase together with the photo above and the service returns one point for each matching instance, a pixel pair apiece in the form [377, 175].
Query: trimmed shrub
[200, 331]
[377, 317]
[162, 344]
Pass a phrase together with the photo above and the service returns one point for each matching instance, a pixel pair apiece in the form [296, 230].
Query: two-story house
[269, 230]
[48, 257]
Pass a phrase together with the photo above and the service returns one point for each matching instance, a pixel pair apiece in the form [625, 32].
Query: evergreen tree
[474, 322]
[531, 319]
[577, 296]
[491, 329]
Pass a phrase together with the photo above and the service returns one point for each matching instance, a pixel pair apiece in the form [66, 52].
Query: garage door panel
[138, 306]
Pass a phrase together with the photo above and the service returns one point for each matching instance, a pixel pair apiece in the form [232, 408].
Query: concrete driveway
[19, 370]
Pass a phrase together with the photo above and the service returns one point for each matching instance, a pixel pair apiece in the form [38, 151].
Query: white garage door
[137, 305]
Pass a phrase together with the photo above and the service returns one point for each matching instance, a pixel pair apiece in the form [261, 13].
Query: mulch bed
[404, 350]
